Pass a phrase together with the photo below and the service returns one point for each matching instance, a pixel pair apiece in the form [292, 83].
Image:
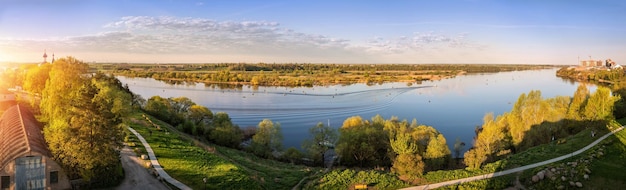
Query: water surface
[453, 106]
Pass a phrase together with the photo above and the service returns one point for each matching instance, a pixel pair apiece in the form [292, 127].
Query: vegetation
[83, 113]
[323, 139]
[268, 139]
[228, 168]
[395, 143]
[188, 163]
[549, 119]
[301, 74]
[195, 120]
[348, 179]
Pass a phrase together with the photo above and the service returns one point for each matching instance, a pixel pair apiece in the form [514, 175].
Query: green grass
[348, 178]
[532, 155]
[189, 164]
[225, 169]
[608, 172]
[271, 174]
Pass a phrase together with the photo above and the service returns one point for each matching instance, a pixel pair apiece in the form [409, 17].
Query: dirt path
[137, 177]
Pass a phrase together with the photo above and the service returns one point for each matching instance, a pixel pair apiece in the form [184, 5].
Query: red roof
[20, 135]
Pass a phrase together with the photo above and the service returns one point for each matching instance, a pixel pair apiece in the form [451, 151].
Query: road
[136, 176]
[514, 170]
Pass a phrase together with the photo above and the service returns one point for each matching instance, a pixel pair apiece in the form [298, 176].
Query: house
[25, 161]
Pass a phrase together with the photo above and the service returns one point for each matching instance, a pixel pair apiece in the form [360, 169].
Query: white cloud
[151, 37]
[420, 42]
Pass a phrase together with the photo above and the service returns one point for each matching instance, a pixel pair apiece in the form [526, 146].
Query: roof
[20, 135]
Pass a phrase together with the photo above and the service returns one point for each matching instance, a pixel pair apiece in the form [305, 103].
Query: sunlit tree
[268, 139]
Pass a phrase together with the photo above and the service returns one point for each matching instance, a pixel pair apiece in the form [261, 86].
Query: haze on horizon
[204, 31]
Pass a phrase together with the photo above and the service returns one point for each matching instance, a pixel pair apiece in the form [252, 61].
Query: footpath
[156, 165]
[514, 170]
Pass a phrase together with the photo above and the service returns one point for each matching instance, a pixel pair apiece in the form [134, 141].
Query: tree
[268, 139]
[159, 107]
[361, 143]
[200, 115]
[437, 153]
[36, 78]
[181, 105]
[600, 105]
[578, 103]
[403, 144]
[409, 165]
[84, 115]
[474, 158]
[322, 139]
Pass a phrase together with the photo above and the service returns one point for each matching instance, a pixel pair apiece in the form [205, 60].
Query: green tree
[437, 153]
[409, 165]
[201, 116]
[600, 105]
[84, 115]
[578, 103]
[226, 134]
[361, 143]
[322, 139]
[268, 139]
[36, 78]
[474, 158]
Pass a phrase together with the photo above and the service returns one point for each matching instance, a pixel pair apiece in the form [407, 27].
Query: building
[591, 63]
[25, 161]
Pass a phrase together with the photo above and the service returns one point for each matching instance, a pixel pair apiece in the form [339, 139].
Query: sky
[321, 31]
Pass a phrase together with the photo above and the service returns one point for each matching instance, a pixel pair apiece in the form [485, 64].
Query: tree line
[534, 120]
[301, 74]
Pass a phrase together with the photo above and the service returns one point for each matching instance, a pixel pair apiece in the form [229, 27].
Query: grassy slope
[225, 169]
[607, 171]
[532, 155]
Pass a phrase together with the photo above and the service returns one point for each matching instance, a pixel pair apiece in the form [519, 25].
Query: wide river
[453, 106]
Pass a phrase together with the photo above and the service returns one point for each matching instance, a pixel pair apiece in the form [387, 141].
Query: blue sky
[471, 31]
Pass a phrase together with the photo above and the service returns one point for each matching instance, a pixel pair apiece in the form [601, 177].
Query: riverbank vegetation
[264, 74]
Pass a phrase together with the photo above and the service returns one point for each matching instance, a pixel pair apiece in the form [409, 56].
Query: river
[453, 106]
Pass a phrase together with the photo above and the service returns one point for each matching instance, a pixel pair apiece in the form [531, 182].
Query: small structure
[6, 95]
[45, 57]
[25, 161]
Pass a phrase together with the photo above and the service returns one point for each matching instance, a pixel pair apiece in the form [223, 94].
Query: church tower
[45, 56]
[52, 58]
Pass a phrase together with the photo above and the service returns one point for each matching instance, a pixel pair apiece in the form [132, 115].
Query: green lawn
[225, 168]
[189, 164]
